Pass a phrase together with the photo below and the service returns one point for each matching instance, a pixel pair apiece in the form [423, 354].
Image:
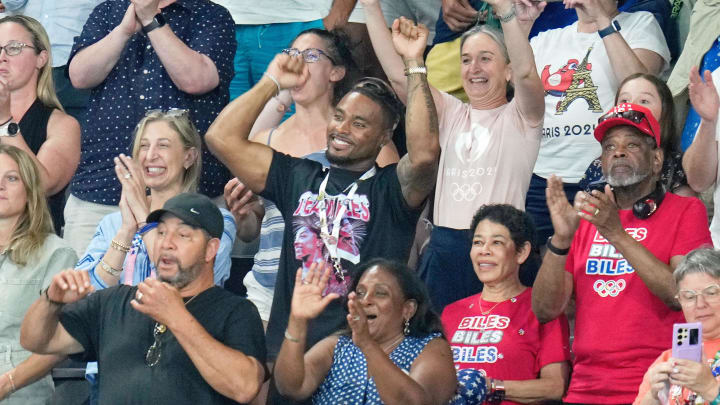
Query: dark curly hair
[518, 223]
[425, 320]
[336, 44]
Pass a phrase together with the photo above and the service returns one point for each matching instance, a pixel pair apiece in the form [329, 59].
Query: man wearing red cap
[615, 249]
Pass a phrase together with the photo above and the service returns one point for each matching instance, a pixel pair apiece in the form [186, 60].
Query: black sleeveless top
[33, 127]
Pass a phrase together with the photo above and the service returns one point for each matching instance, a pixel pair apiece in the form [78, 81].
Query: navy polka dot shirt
[138, 83]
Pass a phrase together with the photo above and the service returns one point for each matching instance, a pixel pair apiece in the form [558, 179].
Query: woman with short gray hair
[680, 381]
[489, 145]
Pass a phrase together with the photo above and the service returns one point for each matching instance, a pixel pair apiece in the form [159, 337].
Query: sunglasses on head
[630, 115]
[310, 55]
[172, 112]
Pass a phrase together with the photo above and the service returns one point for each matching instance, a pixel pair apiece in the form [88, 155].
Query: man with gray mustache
[615, 250]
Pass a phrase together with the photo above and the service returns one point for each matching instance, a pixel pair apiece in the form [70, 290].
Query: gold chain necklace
[482, 312]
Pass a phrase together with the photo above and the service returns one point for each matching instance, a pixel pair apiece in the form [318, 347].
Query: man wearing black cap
[174, 339]
[615, 250]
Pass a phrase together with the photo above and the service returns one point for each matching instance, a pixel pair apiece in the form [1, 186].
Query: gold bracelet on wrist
[119, 246]
[109, 269]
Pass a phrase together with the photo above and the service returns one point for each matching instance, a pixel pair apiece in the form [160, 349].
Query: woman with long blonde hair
[30, 255]
[167, 160]
[30, 114]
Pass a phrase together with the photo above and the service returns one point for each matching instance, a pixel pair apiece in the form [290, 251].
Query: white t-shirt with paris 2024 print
[580, 87]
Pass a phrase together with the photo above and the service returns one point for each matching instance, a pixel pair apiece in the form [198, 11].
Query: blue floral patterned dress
[348, 383]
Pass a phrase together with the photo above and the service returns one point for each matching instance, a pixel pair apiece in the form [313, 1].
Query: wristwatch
[555, 249]
[157, 22]
[9, 128]
[610, 29]
[497, 392]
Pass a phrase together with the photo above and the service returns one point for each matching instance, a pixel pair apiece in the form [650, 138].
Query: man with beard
[615, 249]
[387, 200]
[174, 339]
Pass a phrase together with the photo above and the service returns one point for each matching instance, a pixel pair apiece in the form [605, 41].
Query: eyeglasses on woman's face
[310, 55]
[13, 48]
[688, 298]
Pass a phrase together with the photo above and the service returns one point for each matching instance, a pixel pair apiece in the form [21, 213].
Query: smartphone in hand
[687, 341]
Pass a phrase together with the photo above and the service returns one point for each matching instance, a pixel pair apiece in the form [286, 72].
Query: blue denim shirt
[138, 83]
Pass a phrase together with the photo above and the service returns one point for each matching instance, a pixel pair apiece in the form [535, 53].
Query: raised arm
[339, 14]
[623, 59]
[700, 161]
[382, 42]
[90, 66]
[41, 331]
[191, 71]
[417, 170]
[230, 372]
[227, 137]
[553, 285]
[299, 374]
[529, 91]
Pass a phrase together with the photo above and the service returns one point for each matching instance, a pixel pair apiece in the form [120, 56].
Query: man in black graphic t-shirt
[363, 211]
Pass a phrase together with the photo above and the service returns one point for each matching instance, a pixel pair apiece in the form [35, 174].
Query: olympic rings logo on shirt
[609, 288]
[467, 192]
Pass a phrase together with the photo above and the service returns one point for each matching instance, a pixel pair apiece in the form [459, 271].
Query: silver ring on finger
[597, 211]
[138, 297]
[356, 318]
[127, 175]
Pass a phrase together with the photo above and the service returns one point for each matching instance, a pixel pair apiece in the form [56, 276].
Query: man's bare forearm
[39, 326]
[417, 171]
[229, 371]
[91, 66]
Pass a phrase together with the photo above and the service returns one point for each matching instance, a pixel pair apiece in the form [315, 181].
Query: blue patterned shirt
[138, 83]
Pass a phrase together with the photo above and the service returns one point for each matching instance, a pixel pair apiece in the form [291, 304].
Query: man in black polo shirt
[174, 339]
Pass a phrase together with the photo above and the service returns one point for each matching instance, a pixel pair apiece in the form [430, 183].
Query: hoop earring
[406, 329]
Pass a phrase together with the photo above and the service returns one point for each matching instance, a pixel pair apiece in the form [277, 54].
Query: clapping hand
[357, 320]
[564, 218]
[528, 11]
[133, 200]
[130, 24]
[593, 10]
[145, 10]
[307, 300]
[458, 14]
[69, 286]
[599, 209]
[289, 71]
[703, 95]
[410, 40]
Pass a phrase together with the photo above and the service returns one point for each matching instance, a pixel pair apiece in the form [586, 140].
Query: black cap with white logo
[195, 210]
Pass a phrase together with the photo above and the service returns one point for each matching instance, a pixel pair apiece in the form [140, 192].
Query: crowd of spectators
[563, 156]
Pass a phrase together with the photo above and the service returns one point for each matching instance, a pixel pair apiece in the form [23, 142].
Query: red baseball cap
[629, 114]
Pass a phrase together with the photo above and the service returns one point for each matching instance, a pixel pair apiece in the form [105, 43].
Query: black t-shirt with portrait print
[377, 223]
[118, 337]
